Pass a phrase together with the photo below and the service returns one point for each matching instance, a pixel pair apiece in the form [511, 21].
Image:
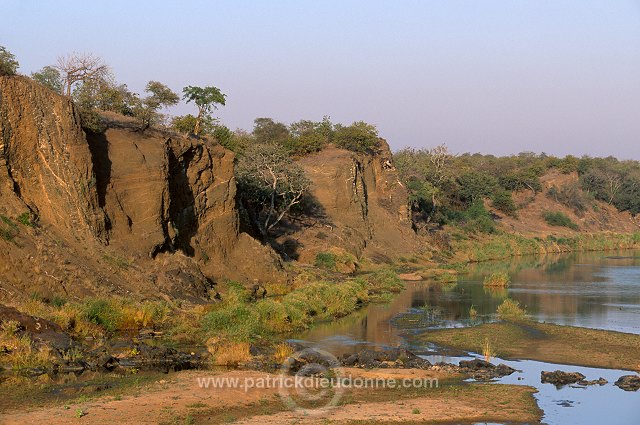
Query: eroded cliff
[361, 208]
[120, 212]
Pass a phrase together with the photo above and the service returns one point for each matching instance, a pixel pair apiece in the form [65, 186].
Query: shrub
[503, 201]
[384, 281]
[326, 260]
[559, 219]
[25, 218]
[8, 229]
[511, 310]
[477, 219]
[90, 120]
[570, 195]
[103, 313]
[8, 63]
[499, 279]
[521, 180]
[358, 137]
[305, 144]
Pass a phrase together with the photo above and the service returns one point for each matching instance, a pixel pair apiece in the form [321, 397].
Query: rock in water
[629, 382]
[560, 378]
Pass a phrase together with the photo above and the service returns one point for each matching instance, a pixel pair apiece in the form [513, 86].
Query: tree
[270, 184]
[146, 110]
[266, 130]
[80, 67]
[8, 63]
[49, 77]
[206, 98]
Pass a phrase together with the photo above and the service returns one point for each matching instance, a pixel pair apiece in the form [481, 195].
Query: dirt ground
[179, 399]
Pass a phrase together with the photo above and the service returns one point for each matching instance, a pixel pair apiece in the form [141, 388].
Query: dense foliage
[446, 188]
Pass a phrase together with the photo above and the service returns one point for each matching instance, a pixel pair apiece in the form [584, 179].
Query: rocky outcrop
[165, 194]
[122, 212]
[45, 163]
[360, 207]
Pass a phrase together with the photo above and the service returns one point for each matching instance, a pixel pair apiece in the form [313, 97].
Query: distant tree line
[451, 189]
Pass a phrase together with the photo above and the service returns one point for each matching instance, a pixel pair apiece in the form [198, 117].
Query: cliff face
[119, 212]
[163, 195]
[361, 207]
[45, 163]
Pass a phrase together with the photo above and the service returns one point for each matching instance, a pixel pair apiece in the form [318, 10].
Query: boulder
[628, 382]
[560, 378]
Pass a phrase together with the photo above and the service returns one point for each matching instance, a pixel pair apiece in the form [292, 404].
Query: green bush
[103, 313]
[358, 137]
[25, 218]
[503, 201]
[476, 219]
[559, 219]
[8, 63]
[91, 121]
[326, 260]
[521, 180]
[8, 229]
[474, 186]
[511, 310]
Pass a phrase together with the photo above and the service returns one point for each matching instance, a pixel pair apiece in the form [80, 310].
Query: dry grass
[499, 279]
[20, 351]
[487, 351]
[511, 310]
[225, 353]
[473, 313]
[282, 353]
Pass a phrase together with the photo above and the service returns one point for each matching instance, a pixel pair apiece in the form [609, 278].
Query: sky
[499, 77]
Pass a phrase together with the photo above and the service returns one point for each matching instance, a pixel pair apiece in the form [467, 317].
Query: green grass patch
[240, 318]
[559, 219]
[498, 279]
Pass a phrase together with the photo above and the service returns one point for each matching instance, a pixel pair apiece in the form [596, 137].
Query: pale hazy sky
[497, 77]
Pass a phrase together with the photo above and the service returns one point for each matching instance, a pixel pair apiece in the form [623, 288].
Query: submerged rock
[600, 381]
[560, 378]
[628, 382]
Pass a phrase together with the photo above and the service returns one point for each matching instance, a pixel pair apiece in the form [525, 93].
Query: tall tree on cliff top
[81, 67]
[206, 98]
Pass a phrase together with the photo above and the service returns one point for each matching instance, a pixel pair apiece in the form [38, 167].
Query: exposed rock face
[121, 212]
[362, 207]
[45, 164]
[164, 194]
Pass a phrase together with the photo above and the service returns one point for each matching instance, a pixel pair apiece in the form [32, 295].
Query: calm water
[595, 290]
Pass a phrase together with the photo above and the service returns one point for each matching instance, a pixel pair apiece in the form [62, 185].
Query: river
[595, 290]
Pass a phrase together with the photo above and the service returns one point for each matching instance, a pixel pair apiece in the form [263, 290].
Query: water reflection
[595, 290]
